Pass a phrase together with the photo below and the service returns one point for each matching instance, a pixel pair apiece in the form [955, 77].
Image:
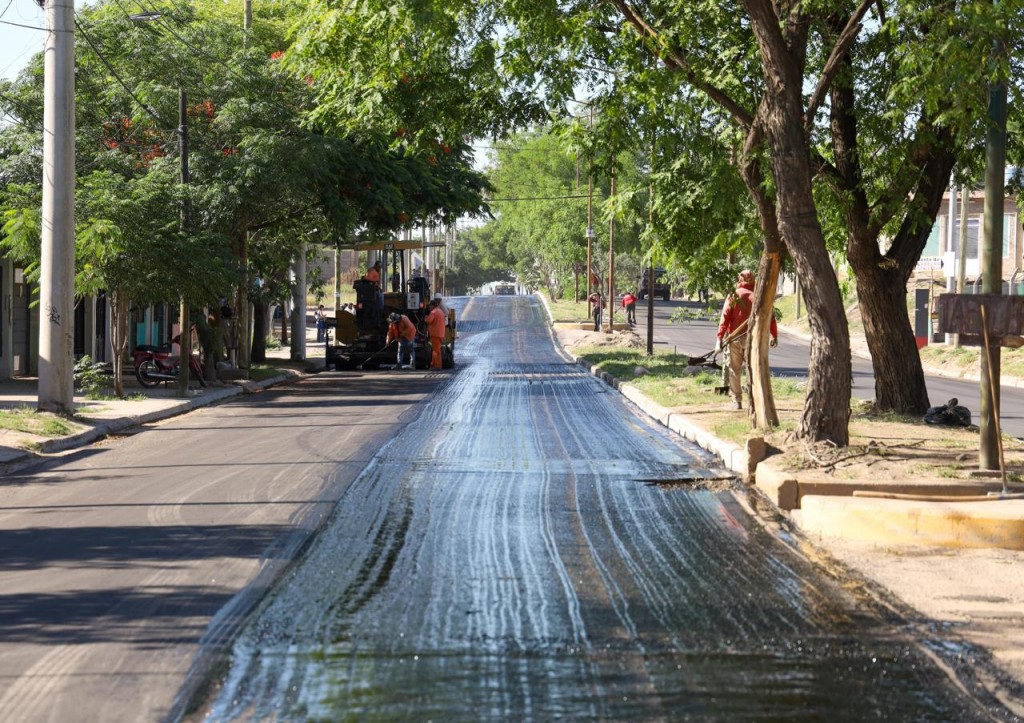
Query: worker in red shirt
[402, 330]
[629, 302]
[435, 330]
[732, 331]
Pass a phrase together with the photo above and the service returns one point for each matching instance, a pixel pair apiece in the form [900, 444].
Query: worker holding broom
[732, 332]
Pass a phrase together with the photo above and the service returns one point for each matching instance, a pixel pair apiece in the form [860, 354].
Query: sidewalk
[944, 567]
[95, 419]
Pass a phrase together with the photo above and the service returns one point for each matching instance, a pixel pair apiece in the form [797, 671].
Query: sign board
[929, 264]
[961, 314]
[590, 232]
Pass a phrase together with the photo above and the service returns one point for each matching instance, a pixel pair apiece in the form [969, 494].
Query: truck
[504, 289]
[360, 339]
[661, 286]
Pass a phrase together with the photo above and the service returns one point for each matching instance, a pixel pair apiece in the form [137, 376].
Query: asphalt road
[529, 549]
[790, 358]
[122, 565]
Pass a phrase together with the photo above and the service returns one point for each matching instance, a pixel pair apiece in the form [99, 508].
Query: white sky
[19, 44]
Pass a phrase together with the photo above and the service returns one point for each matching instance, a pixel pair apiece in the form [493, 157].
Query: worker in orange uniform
[373, 274]
[435, 330]
[732, 330]
[402, 330]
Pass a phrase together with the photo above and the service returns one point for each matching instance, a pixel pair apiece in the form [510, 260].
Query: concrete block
[996, 523]
[779, 486]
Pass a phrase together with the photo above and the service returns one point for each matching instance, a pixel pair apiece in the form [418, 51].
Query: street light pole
[56, 389]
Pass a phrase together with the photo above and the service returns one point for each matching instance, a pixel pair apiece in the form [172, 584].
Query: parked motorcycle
[155, 364]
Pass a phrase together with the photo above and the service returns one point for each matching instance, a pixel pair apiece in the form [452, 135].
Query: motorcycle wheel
[142, 373]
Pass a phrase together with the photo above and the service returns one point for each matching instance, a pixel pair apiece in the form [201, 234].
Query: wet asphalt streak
[502, 559]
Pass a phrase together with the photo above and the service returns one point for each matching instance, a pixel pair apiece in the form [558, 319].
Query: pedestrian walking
[596, 308]
[629, 302]
[402, 330]
[732, 329]
[435, 330]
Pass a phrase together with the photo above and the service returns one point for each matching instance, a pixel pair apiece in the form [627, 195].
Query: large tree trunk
[826, 413]
[899, 377]
[882, 279]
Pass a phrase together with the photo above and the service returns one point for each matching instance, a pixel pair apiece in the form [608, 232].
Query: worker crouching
[402, 330]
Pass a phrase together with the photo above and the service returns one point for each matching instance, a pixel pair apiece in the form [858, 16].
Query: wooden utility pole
[992, 267]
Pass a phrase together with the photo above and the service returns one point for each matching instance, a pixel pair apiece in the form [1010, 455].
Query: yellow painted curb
[997, 523]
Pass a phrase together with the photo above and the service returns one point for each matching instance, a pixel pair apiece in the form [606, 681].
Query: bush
[91, 376]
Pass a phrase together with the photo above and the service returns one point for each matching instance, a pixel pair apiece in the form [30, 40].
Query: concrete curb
[106, 427]
[998, 523]
[733, 457]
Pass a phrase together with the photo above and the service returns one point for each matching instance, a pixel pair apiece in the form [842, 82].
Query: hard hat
[437, 296]
[395, 317]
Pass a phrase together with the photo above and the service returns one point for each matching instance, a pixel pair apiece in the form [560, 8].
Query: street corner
[995, 523]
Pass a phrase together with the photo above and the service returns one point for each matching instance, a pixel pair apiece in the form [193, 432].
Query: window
[972, 237]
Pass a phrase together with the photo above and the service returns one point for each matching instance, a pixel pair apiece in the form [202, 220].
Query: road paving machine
[361, 338]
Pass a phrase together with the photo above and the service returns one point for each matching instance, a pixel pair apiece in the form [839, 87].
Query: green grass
[666, 384]
[259, 372]
[44, 424]
[567, 310]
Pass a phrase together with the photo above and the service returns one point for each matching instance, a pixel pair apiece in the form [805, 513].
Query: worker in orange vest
[435, 330]
[402, 330]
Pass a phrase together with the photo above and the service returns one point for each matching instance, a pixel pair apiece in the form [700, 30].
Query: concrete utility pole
[298, 347]
[611, 261]
[992, 267]
[185, 344]
[57, 264]
[247, 23]
[961, 257]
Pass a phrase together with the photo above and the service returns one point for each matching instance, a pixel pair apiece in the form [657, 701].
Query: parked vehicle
[505, 290]
[156, 364]
[661, 286]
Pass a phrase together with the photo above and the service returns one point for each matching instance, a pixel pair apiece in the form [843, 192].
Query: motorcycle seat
[150, 347]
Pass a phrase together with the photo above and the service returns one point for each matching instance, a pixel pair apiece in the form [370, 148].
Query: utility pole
[992, 266]
[56, 392]
[247, 22]
[961, 257]
[298, 346]
[611, 260]
[185, 343]
[590, 208]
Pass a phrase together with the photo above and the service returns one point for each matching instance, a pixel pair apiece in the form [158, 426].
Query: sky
[19, 44]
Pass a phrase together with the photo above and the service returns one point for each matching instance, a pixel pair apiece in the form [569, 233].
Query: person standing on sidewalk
[320, 318]
[402, 330]
[629, 302]
[435, 330]
[732, 331]
[596, 308]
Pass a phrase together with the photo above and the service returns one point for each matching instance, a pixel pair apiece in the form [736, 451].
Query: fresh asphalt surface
[509, 556]
[697, 336]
